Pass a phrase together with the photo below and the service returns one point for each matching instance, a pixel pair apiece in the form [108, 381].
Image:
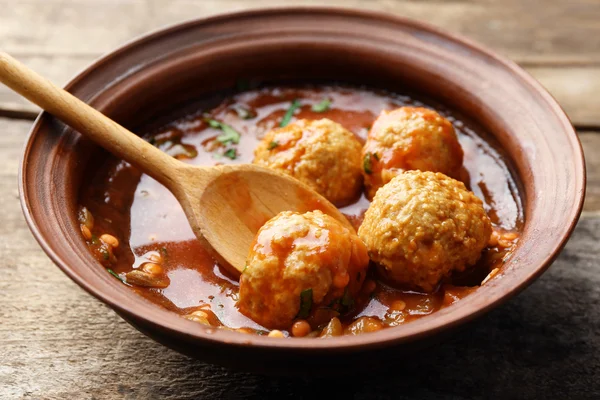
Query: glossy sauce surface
[147, 220]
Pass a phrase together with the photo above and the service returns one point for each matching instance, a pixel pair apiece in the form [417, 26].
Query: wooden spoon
[225, 205]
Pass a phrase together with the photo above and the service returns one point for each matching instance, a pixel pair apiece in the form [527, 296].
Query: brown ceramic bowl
[163, 70]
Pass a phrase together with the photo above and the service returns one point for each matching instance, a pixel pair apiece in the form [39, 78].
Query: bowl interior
[157, 74]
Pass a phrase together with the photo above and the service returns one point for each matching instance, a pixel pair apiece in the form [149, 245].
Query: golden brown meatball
[300, 259]
[409, 138]
[322, 154]
[421, 226]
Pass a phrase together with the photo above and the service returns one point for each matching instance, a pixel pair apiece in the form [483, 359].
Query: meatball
[409, 138]
[321, 153]
[300, 260]
[421, 226]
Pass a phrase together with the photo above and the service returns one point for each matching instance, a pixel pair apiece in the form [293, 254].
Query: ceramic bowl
[163, 70]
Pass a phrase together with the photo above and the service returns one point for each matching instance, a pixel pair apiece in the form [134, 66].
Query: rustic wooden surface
[56, 342]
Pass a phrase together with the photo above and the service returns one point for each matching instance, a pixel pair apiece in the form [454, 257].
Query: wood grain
[93, 27]
[576, 89]
[559, 44]
[57, 342]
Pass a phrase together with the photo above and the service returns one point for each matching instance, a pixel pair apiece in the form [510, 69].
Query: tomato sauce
[149, 223]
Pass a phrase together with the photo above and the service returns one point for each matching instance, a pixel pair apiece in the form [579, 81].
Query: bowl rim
[383, 338]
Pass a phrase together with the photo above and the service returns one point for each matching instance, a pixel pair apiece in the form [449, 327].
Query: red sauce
[146, 218]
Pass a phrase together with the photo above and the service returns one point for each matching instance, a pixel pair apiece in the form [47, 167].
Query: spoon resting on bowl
[225, 205]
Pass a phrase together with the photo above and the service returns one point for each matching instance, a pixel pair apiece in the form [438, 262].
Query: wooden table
[57, 342]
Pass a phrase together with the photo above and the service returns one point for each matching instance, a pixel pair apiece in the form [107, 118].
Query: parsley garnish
[229, 134]
[243, 112]
[231, 154]
[272, 145]
[367, 165]
[342, 305]
[322, 106]
[113, 273]
[290, 113]
[306, 299]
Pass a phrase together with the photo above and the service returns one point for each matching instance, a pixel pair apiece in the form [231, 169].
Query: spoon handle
[88, 121]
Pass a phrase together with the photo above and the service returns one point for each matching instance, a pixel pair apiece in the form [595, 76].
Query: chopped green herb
[342, 305]
[231, 154]
[290, 113]
[229, 134]
[262, 332]
[213, 123]
[367, 164]
[113, 273]
[243, 112]
[272, 145]
[322, 106]
[105, 255]
[95, 239]
[245, 268]
[306, 299]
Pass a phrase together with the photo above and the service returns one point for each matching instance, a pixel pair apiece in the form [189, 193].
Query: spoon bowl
[226, 205]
